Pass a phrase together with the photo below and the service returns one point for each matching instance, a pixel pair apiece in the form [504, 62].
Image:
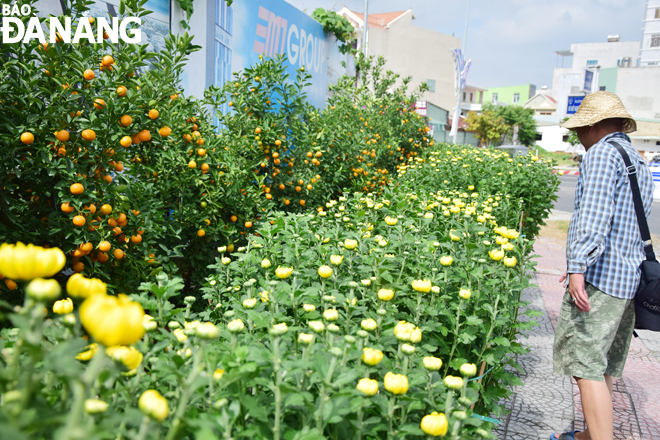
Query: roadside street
[565, 202]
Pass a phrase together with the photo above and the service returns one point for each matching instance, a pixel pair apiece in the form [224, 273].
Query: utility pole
[457, 114]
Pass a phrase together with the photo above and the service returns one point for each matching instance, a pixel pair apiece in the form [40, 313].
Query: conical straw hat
[598, 106]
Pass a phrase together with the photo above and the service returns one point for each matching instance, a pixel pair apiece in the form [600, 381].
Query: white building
[588, 60]
[411, 50]
[618, 67]
[649, 52]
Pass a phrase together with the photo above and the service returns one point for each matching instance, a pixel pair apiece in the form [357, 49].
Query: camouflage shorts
[590, 344]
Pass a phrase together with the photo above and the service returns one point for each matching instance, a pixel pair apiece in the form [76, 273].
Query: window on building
[539, 136]
[602, 88]
[657, 12]
[464, 96]
[471, 97]
[592, 62]
[431, 85]
[564, 138]
[618, 63]
[545, 113]
[657, 142]
[516, 98]
[494, 98]
[655, 40]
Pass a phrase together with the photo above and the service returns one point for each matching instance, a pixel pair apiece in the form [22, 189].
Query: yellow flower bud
[180, 335]
[510, 261]
[283, 272]
[63, 306]
[218, 373]
[325, 271]
[496, 254]
[95, 406]
[391, 221]
[112, 320]
[87, 355]
[371, 356]
[446, 260]
[43, 290]
[396, 383]
[149, 323]
[468, 370]
[279, 329]
[21, 262]
[309, 307]
[369, 324]
[129, 357]
[78, 286]
[250, 303]
[385, 294]
[336, 259]
[207, 330]
[236, 326]
[154, 405]
[422, 285]
[465, 293]
[432, 363]
[316, 326]
[416, 335]
[305, 338]
[453, 382]
[350, 244]
[331, 315]
[368, 387]
[434, 424]
[265, 263]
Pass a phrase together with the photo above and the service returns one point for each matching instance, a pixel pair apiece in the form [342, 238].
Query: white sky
[512, 42]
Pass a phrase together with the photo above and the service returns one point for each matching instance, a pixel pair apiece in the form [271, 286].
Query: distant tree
[487, 127]
[521, 116]
[572, 136]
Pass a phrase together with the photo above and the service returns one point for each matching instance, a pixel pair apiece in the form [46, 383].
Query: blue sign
[573, 104]
[250, 28]
[588, 80]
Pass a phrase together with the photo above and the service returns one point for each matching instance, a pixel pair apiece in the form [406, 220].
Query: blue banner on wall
[573, 104]
[250, 28]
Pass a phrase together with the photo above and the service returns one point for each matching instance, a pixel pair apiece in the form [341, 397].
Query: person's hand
[563, 280]
[577, 292]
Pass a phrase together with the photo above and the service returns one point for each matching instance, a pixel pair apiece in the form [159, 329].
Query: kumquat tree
[293, 273]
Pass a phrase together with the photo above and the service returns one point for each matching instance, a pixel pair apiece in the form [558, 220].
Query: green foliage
[488, 126]
[260, 384]
[517, 115]
[338, 25]
[524, 187]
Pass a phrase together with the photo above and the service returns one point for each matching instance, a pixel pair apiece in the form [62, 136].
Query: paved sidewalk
[547, 402]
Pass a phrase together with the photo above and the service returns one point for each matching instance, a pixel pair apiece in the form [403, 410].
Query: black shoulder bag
[647, 298]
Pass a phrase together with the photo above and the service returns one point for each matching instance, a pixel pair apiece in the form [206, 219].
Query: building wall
[552, 138]
[410, 50]
[604, 54]
[566, 82]
[505, 94]
[639, 89]
[607, 78]
[650, 48]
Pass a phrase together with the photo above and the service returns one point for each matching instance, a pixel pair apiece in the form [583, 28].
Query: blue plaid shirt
[604, 242]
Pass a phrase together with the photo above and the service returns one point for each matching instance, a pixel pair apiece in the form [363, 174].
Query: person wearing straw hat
[603, 253]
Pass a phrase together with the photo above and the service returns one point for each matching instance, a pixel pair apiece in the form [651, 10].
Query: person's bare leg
[597, 407]
[585, 435]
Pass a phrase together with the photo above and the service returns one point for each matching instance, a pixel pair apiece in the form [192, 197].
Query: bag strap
[637, 200]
